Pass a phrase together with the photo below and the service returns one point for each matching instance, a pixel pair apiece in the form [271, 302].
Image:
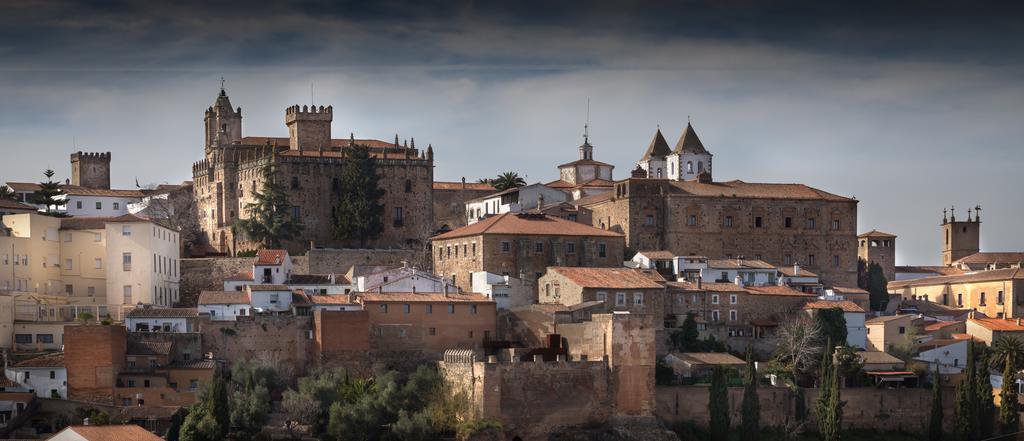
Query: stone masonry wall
[339, 260]
[209, 274]
[282, 342]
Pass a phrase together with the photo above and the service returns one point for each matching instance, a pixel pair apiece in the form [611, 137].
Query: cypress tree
[751, 405]
[219, 407]
[828, 406]
[1009, 406]
[970, 386]
[718, 406]
[877, 288]
[935, 422]
[358, 217]
[986, 406]
[270, 214]
[962, 412]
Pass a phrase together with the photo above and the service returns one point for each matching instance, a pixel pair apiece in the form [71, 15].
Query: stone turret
[223, 124]
[309, 127]
[91, 169]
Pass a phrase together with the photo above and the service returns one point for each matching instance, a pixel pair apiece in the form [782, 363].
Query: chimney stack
[739, 281]
[796, 269]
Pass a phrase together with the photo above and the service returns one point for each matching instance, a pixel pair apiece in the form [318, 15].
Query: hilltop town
[319, 286]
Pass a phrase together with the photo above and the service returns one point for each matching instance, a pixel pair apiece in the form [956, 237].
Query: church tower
[960, 238]
[223, 125]
[689, 160]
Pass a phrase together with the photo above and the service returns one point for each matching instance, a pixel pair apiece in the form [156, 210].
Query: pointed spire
[658, 147]
[396, 140]
[412, 143]
[351, 138]
[690, 143]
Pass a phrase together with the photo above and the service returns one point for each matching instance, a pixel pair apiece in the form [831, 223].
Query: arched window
[659, 172]
[689, 166]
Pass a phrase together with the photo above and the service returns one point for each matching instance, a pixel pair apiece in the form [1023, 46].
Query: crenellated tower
[309, 127]
[222, 123]
[91, 169]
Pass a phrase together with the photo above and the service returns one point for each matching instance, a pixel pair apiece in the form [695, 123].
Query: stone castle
[309, 163]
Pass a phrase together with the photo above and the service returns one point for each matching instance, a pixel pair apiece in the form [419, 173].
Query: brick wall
[93, 355]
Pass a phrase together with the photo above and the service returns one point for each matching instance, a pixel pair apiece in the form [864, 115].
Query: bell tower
[223, 125]
[960, 238]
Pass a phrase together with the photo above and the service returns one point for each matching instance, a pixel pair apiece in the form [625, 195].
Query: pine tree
[1009, 406]
[935, 422]
[49, 194]
[986, 406]
[358, 217]
[751, 405]
[828, 406]
[718, 405]
[270, 218]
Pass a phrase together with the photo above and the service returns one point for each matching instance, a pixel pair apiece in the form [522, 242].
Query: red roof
[264, 140]
[1001, 257]
[742, 189]
[55, 359]
[24, 186]
[706, 286]
[126, 432]
[939, 325]
[8, 204]
[417, 297]
[845, 305]
[271, 257]
[611, 278]
[223, 298]
[775, 290]
[98, 223]
[996, 324]
[876, 233]
[75, 190]
[527, 224]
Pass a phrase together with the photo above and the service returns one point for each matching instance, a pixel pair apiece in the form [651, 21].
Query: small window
[406, 308]
[602, 296]
[383, 308]
[903, 330]
[432, 331]
[570, 248]
[758, 222]
[99, 205]
[408, 186]
[78, 205]
[451, 309]
[810, 259]
[117, 206]
[691, 220]
[728, 222]
[295, 182]
[430, 309]
[787, 259]
[714, 299]
[788, 222]
[981, 301]
[472, 309]
[126, 230]
[649, 220]
[506, 246]
[960, 299]
[835, 224]
[602, 250]
[811, 224]
[638, 298]
[835, 261]
[620, 299]
[732, 299]
[538, 247]
[732, 315]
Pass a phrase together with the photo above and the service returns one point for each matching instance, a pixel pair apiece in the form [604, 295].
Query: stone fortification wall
[904, 410]
[283, 342]
[339, 260]
[209, 273]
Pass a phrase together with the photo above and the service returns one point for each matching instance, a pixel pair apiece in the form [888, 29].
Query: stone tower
[689, 159]
[878, 247]
[960, 238]
[309, 127]
[222, 123]
[91, 170]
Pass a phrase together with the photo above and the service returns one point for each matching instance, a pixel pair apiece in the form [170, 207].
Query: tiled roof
[126, 432]
[1002, 257]
[8, 204]
[316, 279]
[75, 190]
[559, 184]
[597, 183]
[712, 358]
[658, 255]
[146, 412]
[193, 364]
[942, 270]
[995, 324]
[23, 186]
[739, 264]
[417, 297]
[7, 382]
[611, 278]
[690, 143]
[848, 290]
[149, 348]
[740, 189]
[876, 233]
[223, 298]
[845, 305]
[886, 318]
[527, 224]
[163, 312]
[706, 286]
[977, 276]
[594, 199]
[584, 162]
[264, 140]
[475, 186]
[270, 257]
[927, 307]
[98, 223]
[268, 288]
[932, 327]
[658, 148]
[329, 299]
[776, 290]
[240, 277]
[789, 271]
[55, 359]
[937, 343]
[878, 357]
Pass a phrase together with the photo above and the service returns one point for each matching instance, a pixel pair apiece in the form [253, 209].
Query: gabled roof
[526, 224]
[936, 326]
[740, 189]
[268, 288]
[270, 257]
[739, 264]
[99, 223]
[223, 298]
[163, 312]
[876, 233]
[712, 358]
[994, 257]
[976, 276]
[845, 305]
[789, 271]
[887, 318]
[245, 276]
[995, 324]
[845, 290]
[329, 300]
[777, 290]
[611, 278]
[428, 297]
[474, 186]
[657, 255]
[126, 432]
[878, 357]
[658, 148]
[585, 162]
[24, 186]
[941, 270]
[55, 359]
[149, 348]
[690, 143]
[75, 190]
[8, 204]
[706, 287]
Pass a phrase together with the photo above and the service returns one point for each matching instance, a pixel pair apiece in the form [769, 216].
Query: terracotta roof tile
[690, 143]
[7, 382]
[149, 348]
[584, 162]
[845, 305]
[559, 184]
[75, 190]
[329, 300]
[739, 264]
[995, 324]
[1000, 257]
[99, 223]
[789, 271]
[270, 257]
[8, 204]
[977, 276]
[932, 327]
[848, 290]
[740, 189]
[23, 186]
[268, 288]
[878, 357]
[423, 297]
[527, 224]
[876, 233]
[886, 318]
[240, 277]
[776, 290]
[55, 359]
[127, 432]
[658, 255]
[706, 286]
[712, 358]
[163, 312]
[611, 278]
[223, 298]
[942, 270]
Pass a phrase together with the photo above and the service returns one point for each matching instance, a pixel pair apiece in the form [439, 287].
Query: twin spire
[689, 142]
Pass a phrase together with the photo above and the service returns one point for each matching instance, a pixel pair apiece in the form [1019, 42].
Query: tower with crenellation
[91, 169]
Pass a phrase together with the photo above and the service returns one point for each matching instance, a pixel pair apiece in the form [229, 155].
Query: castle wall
[91, 170]
[450, 204]
[284, 342]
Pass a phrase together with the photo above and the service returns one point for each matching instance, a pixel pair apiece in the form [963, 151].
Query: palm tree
[1007, 347]
[508, 180]
[7, 193]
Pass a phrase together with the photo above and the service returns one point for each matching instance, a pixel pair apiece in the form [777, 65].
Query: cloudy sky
[909, 107]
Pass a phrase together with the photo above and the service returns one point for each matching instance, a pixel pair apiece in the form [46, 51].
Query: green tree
[718, 405]
[751, 405]
[986, 406]
[1009, 406]
[664, 375]
[833, 325]
[849, 364]
[828, 407]
[687, 338]
[49, 194]
[1004, 348]
[219, 405]
[209, 419]
[270, 220]
[7, 194]
[177, 419]
[250, 400]
[935, 421]
[962, 411]
[359, 216]
[508, 180]
[877, 287]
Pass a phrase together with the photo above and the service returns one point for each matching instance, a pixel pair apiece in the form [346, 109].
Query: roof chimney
[85, 421]
[540, 201]
[1018, 321]
[700, 282]
[739, 281]
[970, 315]
[796, 269]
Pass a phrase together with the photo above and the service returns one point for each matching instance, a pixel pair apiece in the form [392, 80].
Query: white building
[856, 330]
[949, 355]
[149, 319]
[274, 267]
[399, 279]
[270, 298]
[512, 200]
[45, 375]
[689, 158]
[743, 272]
[96, 202]
[316, 302]
[506, 292]
[224, 305]
[143, 260]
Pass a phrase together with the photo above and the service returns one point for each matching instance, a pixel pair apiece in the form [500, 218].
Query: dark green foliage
[7, 194]
[1007, 347]
[663, 374]
[250, 401]
[96, 417]
[751, 405]
[850, 365]
[209, 419]
[270, 219]
[828, 407]
[718, 406]
[986, 406]
[49, 193]
[833, 325]
[935, 420]
[877, 287]
[801, 404]
[175, 426]
[1009, 406]
[358, 217]
[687, 338]
[508, 180]
[962, 413]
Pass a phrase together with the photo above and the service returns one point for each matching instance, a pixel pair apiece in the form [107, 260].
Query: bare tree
[799, 345]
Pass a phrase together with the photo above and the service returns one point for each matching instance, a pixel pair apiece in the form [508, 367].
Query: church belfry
[223, 125]
[960, 238]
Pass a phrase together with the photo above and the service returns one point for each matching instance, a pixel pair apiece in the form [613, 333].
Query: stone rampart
[283, 342]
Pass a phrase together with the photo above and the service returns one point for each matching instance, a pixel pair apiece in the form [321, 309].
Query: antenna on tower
[586, 126]
[311, 101]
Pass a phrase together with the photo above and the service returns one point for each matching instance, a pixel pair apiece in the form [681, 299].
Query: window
[378, 331]
[401, 332]
[296, 212]
[811, 224]
[999, 298]
[649, 220]
[728, 222]
[981, 302]
[408, 186]
[126, 230]
[98, 263]
[835, 260]
[99, 205]
[758, 223]
[788, 222]
[295, 182]
[97, 237]
[117, 206]
[69, 290]
[602, 250]
[433, 331]
[399, 219]
[638, 298]
[451, 308]
[406, 308]
[472, 309]
[620, 299]
[787, 259]
[960, 300]
[430, 309]
[53, 374]
[903, 329]
[23, 338]
[714, 299]
[602, 296]
[810, 259]
[506, 247]
[689, 166]
[127, 294]
[126, 261]
[538, 247]
[732, 315]
[691, 220]
[732, 299]
[715, 316]
[835, 224]
[68, 263]
[91, 290]
[44, 338]
[383, 307]
[78, 205]
[570, 248]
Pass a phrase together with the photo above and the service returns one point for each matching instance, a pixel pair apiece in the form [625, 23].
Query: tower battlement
[91, 169]
[309, 127]
[311, 113]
